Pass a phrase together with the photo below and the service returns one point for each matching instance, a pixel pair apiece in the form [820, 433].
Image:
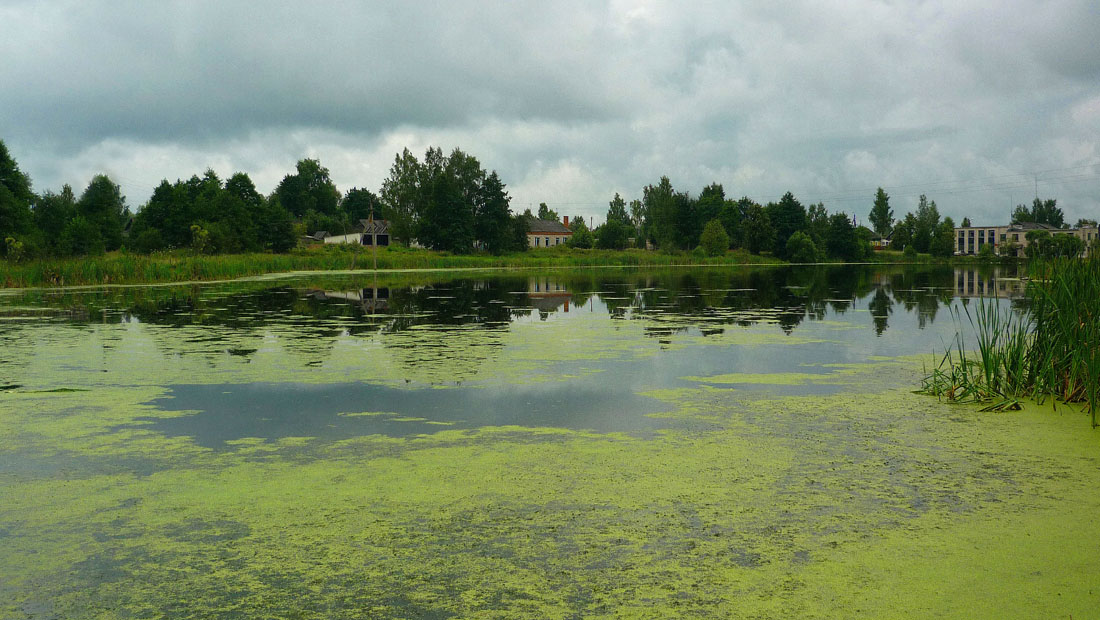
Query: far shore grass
[183, 266]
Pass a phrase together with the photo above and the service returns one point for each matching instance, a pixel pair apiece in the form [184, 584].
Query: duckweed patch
[805, 506]
[758, 503]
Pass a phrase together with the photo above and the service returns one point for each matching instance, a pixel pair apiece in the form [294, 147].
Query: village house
[878, 242]
[547, 233]
[971, 239]
[370, 233]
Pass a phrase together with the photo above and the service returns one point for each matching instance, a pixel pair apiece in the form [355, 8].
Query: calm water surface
[435, 336]
[707, 442]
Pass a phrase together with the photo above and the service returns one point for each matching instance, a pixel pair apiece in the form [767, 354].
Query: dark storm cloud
[194, 71]
[570, 101]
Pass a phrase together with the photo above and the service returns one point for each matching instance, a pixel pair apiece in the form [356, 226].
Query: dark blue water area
[600, 396]
[343, 410]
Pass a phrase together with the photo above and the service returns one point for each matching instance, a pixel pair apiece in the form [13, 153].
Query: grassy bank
[1052, 352]
[128, 268]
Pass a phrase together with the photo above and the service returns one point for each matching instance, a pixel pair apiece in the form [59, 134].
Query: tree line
[712, 223]
[445, 203]
[450, 203]
[924, 232]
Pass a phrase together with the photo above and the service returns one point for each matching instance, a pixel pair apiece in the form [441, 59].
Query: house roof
[1032, 226]
[377, 227]
[535, 225]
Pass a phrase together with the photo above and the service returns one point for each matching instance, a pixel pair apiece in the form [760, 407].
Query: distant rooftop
[1022, 226]
[378, 227]
[536, 225]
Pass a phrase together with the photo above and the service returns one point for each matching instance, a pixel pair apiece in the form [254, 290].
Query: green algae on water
[757, 503]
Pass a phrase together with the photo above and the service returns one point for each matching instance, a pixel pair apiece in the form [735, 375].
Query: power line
[997, 183]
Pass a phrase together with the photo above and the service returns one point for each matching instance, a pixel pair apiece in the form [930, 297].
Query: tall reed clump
[1052, 351]
[1065, 298]
[996, 373]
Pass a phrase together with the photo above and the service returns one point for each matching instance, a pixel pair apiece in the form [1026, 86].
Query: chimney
[565, 220]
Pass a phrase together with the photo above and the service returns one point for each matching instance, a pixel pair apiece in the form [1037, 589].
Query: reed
[1050, 352]
[1065, 296]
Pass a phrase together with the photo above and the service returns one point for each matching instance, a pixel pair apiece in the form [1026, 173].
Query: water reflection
[562, 349]
[277, 410]
[548, 294]
[673, 300]
[971, 282]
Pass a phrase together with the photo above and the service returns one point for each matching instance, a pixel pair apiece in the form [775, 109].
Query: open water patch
[272, 411]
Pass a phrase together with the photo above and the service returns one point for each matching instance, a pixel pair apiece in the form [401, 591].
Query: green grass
[1051, 352]
[129, 268]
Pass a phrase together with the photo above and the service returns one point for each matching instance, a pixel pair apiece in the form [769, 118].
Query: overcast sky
[969, 102]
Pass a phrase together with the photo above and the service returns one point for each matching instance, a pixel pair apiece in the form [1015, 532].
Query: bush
[81, 238]
[612, 235]
[866, 250]
[200, 240]
[149, 241]
[13, 249]
[801, 248]
[910, 252]
[582, 238]
[714, 240]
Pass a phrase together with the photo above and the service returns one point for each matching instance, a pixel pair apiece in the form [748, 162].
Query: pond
[733, 442]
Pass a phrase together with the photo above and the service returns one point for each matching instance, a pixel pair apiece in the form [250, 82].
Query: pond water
[710, 442]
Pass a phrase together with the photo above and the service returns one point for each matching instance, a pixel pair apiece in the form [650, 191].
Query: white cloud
[572, 101]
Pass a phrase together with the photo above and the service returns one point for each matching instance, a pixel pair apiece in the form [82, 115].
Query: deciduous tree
[15, 197]
[104, 207]
[401, 195]
[310, 188]
[714, 238]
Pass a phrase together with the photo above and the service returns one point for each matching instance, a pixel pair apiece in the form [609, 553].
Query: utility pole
[374, 254]
[373, 238]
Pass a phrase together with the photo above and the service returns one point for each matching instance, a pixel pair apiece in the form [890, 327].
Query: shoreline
[126, 269]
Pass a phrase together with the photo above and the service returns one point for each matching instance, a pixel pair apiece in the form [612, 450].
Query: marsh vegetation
[1048, 351]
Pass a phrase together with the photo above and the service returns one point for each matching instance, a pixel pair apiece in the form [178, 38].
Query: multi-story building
[970, 239]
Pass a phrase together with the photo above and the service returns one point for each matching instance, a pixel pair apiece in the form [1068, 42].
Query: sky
[978, 105]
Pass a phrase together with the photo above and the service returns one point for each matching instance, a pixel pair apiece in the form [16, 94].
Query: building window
[536, 242]
[1003, 237]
